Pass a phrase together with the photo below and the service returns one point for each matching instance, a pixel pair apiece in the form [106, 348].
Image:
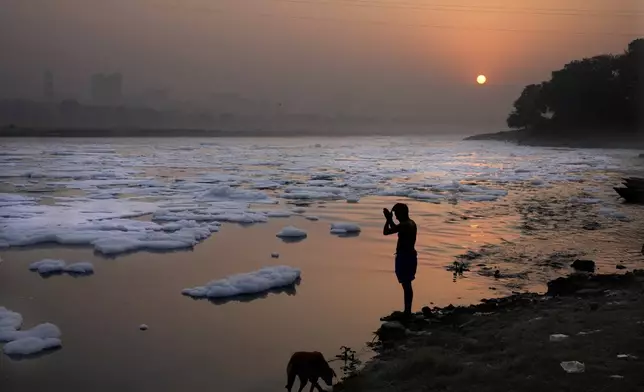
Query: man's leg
[408, 293]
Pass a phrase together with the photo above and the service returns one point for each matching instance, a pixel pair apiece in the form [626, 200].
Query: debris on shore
[517, 342]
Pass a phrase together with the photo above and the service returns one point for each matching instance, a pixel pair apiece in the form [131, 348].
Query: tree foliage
[601, 92]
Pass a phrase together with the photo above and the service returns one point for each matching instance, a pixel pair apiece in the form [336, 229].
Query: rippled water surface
[109, 200]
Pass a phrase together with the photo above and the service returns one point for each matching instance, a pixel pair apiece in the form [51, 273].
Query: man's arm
[390, 227]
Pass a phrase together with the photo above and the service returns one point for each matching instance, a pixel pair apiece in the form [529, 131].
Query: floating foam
[47, 266]
[42, 331]
[353, 199]
[82, 268]
[291, 232]
[50, 266]
[344, 228]
[364, 185]
[226, 192]
[26, 342]
[235, 215]
[116, 245]
[266, 184]
[395, 192]
[242, 217]
[31, 345]
[278, 214]
[248, 283]
[109, 232]
[221, 189]
[319, 182]
[426, 196]
[9, 320]
[323, 176]
[12, 199]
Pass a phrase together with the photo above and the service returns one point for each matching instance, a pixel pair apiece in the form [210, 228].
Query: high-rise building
[48, 86]
[107, 89]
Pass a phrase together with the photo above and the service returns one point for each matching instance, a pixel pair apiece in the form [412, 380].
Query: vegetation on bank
[601, 94]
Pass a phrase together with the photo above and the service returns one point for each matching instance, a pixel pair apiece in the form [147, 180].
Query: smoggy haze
[312, 55]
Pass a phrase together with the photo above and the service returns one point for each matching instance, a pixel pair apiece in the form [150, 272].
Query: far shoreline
[528, 138]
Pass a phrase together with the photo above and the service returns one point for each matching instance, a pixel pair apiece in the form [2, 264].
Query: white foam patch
[307, 195]
[186, 238]
[31, 345]
[50, 266]
[431, 197]
[344, 228]
[12, 199]
[216, 182]
[313, 193]
[353, 199]
[81, 268]
[110, 238]
[248, 283]
[369, 186]
[9, 320]
[291, 232]
[47, 266]
[43, 331]
[26, 342]
[278, 214]
[398, 191]
[265, 184]
[226, 192]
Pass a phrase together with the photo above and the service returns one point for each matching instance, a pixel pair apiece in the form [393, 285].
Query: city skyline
[368, 57]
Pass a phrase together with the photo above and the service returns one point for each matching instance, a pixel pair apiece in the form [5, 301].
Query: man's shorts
[406, 265]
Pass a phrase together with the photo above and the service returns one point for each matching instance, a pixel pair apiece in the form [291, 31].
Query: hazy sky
[401, 56]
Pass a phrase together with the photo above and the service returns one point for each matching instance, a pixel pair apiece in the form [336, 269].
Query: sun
[481, 79]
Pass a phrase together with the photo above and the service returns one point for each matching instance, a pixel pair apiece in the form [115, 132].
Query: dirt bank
[505, 344]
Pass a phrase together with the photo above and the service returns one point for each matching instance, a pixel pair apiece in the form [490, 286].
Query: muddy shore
[506, 344]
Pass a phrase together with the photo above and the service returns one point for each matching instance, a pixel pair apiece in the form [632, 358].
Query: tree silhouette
[604, 92]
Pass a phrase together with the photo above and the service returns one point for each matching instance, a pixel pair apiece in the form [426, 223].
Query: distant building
[48, 86]
[107, 89]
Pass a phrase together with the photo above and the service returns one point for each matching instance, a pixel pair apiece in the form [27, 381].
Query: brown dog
[308, 366]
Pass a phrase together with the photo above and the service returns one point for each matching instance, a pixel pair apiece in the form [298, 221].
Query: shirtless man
[406, 256]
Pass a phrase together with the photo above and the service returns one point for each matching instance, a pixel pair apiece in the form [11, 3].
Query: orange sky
[413, 54]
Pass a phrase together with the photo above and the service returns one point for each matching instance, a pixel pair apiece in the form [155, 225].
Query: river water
[463, 196]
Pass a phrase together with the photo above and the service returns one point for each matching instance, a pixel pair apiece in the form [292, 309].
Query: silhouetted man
[406, 256]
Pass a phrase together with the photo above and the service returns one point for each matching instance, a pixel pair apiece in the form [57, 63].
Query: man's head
[401, 211]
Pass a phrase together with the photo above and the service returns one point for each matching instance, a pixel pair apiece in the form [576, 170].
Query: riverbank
[535, 139]
[507, 344]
